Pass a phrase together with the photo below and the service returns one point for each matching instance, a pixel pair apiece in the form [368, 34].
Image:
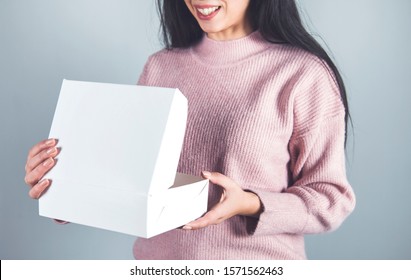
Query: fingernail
[50, 142]
[187, 227]
[48, 162]
[44, 182]
[206, 174]
[51, 150]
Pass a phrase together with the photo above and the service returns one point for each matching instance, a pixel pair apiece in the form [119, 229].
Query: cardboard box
[120, 147]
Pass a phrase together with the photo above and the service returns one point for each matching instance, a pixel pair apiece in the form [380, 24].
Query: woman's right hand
[39, 161]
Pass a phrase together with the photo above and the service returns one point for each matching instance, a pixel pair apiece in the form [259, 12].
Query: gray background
[44, 41]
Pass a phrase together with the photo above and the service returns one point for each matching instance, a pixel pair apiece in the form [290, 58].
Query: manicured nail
[187, 227]
[206, 174]
[50, 142]
[51, 150]
[48, 162]
[44, 183]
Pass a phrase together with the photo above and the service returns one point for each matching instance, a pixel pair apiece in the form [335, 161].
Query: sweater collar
[216, 53]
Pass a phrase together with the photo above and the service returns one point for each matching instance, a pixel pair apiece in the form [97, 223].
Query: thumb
[218, 179]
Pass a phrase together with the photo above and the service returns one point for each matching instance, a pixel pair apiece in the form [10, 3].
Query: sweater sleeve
[319, 197]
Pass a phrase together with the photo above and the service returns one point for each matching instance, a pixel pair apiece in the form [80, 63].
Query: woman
[267, 125]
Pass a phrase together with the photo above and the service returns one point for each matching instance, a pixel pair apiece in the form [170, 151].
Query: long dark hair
[278, 21]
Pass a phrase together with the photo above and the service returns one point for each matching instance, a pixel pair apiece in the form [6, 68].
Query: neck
[223, 53]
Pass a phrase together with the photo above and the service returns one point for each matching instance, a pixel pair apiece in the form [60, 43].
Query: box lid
[131, 135]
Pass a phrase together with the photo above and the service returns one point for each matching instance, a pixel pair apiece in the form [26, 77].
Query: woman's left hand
[234, 201]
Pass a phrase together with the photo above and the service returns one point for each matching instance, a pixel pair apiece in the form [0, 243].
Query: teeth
[207, 11]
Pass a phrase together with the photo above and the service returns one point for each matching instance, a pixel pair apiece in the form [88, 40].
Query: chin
[211, 29]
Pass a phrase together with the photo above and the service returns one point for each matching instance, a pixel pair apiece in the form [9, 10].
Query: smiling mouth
[207, 12]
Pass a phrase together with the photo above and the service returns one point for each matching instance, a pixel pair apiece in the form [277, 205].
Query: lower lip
[208, 17]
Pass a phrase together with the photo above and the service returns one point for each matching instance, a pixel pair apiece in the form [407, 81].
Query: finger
[210, 218]
[41, 146]
[218, 179]
[40, 158]
[37, 190]
[37, 173]
[197, 224]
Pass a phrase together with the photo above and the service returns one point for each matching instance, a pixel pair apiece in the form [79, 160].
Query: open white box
[120, 147]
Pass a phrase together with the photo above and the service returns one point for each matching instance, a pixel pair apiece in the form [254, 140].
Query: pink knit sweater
[270, 117]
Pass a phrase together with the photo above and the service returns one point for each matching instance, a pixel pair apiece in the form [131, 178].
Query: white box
[120, 147]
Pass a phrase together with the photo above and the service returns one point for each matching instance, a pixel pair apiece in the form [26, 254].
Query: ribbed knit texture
[271, 118]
